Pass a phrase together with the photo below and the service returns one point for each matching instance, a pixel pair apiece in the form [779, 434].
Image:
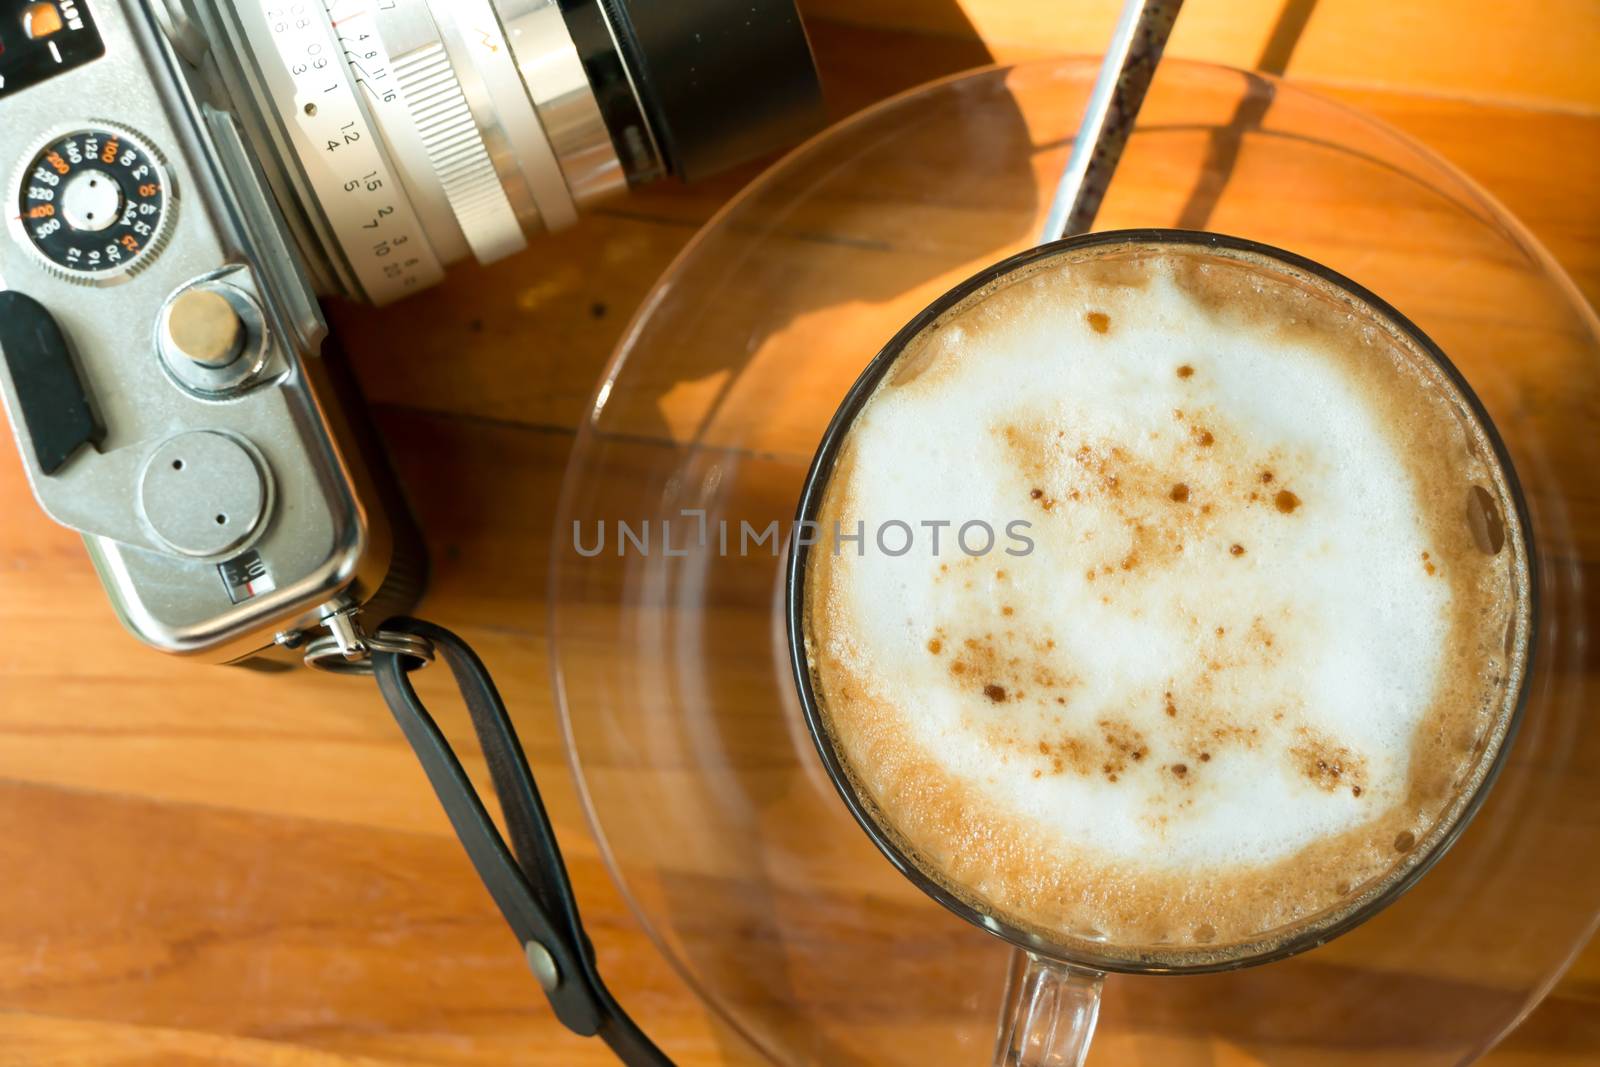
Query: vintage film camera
[184, 178]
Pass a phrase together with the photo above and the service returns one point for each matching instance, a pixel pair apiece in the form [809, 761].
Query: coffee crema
[1268, 640]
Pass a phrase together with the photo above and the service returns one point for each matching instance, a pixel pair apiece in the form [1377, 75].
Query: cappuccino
[1265, 643]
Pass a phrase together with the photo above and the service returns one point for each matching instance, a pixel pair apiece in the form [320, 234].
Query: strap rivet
[543, 965]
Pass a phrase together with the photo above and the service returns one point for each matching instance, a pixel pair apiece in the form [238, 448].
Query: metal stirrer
[1136, 46]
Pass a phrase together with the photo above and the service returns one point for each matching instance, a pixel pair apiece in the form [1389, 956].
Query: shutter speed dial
[94, 203]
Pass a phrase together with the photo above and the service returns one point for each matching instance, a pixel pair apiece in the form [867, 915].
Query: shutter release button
[202, 325]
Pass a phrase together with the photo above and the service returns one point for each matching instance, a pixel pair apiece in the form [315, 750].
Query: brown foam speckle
[1067, 754]
[1285, 501]
[1099, 321]
[1123, 743]
[1185, 371]
[1326, 763]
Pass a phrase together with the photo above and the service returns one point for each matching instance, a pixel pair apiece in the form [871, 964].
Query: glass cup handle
[1047, 1017]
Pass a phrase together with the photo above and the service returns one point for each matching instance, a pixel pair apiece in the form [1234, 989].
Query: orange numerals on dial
[131, 243]
[56, 162]
[149, 189]
[108, 154]
[41, 211]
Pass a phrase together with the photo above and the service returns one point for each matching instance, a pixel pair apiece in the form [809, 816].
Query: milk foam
[1240, 614]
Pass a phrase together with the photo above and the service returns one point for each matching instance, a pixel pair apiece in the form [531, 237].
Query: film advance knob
[203, 326]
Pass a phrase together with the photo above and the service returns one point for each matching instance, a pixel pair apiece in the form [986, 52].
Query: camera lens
[401, 136]
[720, 81]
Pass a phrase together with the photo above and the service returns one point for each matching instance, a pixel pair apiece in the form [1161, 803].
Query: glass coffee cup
[1052, 997]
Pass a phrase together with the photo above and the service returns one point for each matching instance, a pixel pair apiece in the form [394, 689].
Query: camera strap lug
[348, 649]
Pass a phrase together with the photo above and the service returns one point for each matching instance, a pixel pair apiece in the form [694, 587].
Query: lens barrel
[400, 136]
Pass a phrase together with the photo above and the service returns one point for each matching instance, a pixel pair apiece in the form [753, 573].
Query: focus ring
[456, 150]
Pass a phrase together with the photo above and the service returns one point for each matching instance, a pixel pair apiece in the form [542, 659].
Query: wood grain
[204, 866]
[1534, 54]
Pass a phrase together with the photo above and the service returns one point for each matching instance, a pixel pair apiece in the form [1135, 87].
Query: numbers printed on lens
[342, 82]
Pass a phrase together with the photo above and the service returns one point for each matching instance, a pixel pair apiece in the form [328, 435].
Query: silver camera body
[184, 179]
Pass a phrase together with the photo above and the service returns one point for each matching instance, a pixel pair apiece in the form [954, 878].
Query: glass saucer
[702, 786]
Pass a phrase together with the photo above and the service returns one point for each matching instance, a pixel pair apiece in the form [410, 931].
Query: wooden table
[205, 866]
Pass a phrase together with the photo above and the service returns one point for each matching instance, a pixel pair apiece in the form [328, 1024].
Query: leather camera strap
[529, 880]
